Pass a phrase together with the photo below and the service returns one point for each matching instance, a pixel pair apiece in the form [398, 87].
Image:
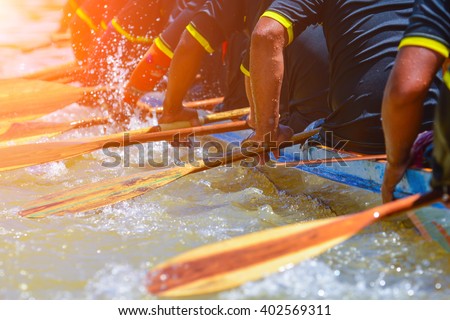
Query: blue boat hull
[433, 223]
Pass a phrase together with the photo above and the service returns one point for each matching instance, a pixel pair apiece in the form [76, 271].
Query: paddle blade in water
[103, 193]
[230, 263]
[22, 99]
[69, 71]
[21, 132]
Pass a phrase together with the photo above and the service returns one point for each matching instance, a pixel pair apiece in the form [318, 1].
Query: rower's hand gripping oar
[228, 264]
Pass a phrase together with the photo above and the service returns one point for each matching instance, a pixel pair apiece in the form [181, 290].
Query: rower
[425, 45]
[153, 66]
[216, 22]
[90, 21]
[68, 13]
[362, 39]
[128, 34]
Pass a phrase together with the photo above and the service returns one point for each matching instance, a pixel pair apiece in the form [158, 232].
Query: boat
[432, 222]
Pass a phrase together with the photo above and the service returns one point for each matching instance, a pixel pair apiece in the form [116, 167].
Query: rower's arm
[266, 74]
[183, 69]
[402, 109]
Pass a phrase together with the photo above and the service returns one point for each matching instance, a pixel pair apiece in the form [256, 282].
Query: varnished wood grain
[22, 99]
[22, 132]
[230, 263]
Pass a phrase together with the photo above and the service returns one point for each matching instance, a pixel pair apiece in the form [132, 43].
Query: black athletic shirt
[306, 80]
[181, 15]
[219, 19]
[362, 38]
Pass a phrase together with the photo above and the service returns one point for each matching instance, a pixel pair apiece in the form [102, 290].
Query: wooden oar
[230, 263]
[111, 191]
[69, 71]
[23, 131]
[19, 156]
[59, 40]
[22, 99]
[200, 104]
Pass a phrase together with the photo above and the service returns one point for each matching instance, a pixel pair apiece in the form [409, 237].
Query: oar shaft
[199, 104]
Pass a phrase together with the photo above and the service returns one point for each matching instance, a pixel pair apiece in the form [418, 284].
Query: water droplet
[410, 292]
[376, 214]
[337, 273]
[321, 293]
[438, 286]
[23, 286]
[382, 283]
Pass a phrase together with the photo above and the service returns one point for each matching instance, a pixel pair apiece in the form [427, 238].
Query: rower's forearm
[182, 72]
[266, 70]
[405, 92]
[401, 124]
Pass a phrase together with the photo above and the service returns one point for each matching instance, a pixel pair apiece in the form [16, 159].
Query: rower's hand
[392, 176]
[186, 114]
[283, 135]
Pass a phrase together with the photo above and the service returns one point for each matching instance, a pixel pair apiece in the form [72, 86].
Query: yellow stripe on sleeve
[245, 71]
[161, 45]
[85, 17]
[425, 43]
[447, 79]
[197, 36]
[284, 22]
[127, 35]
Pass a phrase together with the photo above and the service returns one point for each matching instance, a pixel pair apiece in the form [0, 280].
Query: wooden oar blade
[70, 71]
[29, 99]
[231, 263]
[115, 190]
[22, 132]
[225, 265]
[103, 193]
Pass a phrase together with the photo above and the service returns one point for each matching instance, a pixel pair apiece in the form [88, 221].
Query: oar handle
[303, 136]
[215, 117]
[226, 115]
[203, 103]
[200, 104]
